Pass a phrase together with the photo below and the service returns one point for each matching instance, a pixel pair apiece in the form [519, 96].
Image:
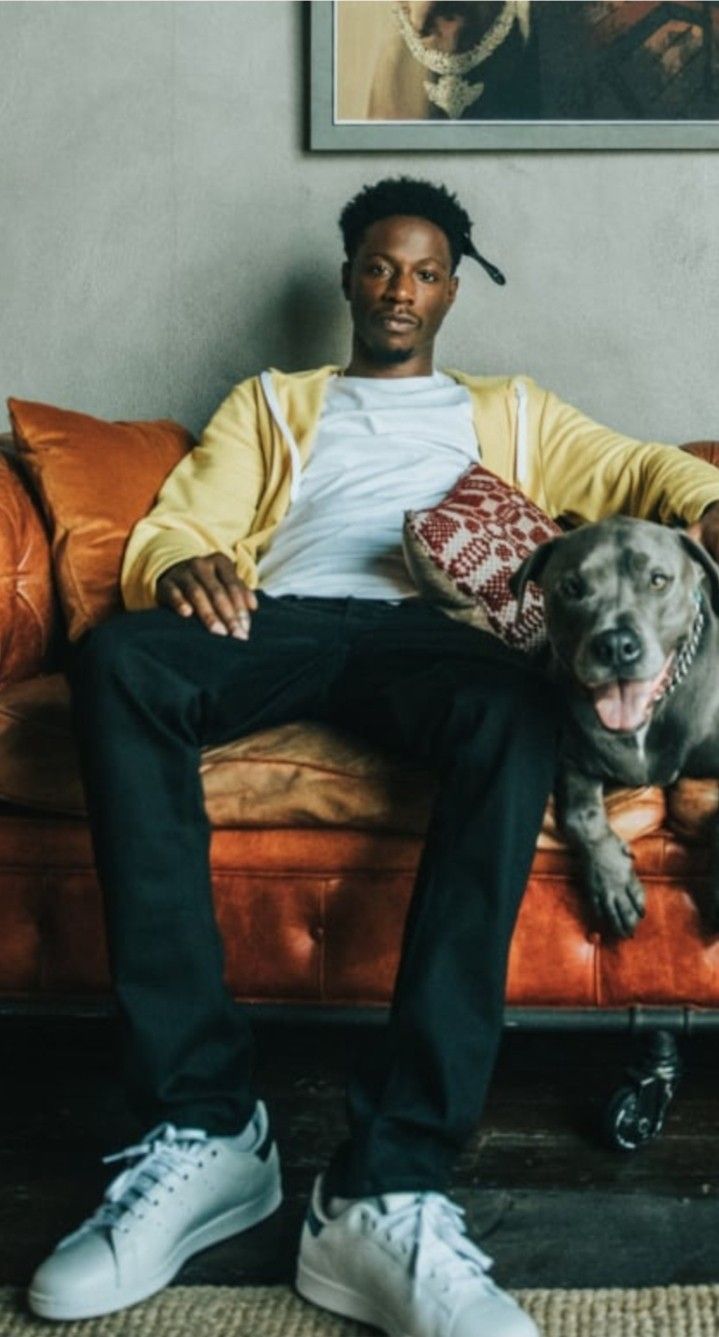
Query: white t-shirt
[384, 445]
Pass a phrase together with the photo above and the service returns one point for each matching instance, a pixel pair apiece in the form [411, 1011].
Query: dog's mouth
[625, 705]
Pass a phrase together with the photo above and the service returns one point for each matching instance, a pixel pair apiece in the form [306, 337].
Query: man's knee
[518, 703]
[507, 688]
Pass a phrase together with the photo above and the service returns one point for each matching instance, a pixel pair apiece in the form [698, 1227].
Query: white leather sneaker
[403, 1263]
[186, 1191]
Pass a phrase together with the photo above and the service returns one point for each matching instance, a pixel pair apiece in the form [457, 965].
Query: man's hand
[706, 530]
[210, 588]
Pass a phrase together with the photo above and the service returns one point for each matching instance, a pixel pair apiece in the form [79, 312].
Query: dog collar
[687, 654]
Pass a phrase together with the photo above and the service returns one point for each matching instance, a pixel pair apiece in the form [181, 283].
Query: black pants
[149, 689]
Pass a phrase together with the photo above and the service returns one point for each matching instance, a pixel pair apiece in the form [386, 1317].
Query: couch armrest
[27, 600]
[706, 450]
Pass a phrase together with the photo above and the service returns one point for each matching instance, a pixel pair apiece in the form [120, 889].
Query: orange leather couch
[315, 844]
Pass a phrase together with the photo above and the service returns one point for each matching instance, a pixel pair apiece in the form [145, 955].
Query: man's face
[400, 287]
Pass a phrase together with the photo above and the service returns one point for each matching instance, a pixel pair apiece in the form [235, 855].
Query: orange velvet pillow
[95, 480]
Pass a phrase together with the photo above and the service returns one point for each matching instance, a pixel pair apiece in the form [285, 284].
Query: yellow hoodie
[230, 493]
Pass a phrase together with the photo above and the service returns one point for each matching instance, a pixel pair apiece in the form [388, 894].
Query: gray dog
[631, 611]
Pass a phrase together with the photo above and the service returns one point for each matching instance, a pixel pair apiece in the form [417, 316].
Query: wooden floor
[550, 1204]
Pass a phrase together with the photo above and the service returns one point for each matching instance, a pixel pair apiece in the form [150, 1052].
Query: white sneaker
[187, 1190]
[403, 1263]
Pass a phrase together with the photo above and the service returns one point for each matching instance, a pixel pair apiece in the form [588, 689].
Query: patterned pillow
[462, 552]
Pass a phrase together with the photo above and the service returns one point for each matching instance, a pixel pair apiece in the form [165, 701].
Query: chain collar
[687, 654]
[451, 93]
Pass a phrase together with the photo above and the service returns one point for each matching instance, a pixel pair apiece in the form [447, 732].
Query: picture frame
[655, 65]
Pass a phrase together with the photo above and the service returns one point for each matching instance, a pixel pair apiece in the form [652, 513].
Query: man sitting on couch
[274, 554]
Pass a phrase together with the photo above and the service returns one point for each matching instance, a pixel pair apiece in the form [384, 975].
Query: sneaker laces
[431, 1231]
[166, 1152]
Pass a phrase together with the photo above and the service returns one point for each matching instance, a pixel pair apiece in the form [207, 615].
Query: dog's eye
[658, 580]
[573, 587]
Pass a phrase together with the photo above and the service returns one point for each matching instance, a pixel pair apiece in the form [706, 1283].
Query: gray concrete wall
[163, 233]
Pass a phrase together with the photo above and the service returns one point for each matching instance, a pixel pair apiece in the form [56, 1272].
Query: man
[274, 555]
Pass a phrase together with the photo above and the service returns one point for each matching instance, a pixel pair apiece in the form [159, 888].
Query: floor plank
[546, 1199]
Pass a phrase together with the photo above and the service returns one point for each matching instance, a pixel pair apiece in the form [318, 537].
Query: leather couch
[315, 843]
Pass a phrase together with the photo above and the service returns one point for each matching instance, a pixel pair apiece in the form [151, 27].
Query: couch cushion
[300, 774]
[27, 600]
[462, 553]
[95, 480]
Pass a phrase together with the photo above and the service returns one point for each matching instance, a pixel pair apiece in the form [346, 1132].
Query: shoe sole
[338, 1299]
[221, 1228]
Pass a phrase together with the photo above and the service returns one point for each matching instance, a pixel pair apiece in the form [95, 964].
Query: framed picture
[524, 74]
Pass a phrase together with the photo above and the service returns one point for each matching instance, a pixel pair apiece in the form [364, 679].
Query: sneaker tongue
[392, 1202]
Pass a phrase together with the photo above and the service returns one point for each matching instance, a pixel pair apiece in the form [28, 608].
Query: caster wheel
[635, 1113]
[626, 1126]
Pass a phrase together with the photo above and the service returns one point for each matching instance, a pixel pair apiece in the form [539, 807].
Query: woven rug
[275, 1311]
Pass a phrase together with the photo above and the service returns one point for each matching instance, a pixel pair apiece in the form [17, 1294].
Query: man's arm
[205, 508]
[590, 472]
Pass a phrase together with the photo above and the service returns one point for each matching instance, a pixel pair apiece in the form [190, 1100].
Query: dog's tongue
[622, 705]
[625, 705]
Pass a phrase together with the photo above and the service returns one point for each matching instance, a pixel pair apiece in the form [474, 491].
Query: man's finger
[210, 588]
[223, 605]
[196, 595]
[242, 599]
[242, 596]
[238, 620]
[240, 624]
[170, 594]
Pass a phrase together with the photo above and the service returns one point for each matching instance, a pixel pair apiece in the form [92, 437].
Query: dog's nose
[617, 648]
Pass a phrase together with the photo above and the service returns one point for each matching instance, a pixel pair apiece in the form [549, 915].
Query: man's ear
[346, 280]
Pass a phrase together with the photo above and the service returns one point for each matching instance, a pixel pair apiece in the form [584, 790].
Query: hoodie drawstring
[273, 405]
[521, 464]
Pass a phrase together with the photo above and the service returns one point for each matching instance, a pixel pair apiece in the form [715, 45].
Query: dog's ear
[699, 554]
[531, 569]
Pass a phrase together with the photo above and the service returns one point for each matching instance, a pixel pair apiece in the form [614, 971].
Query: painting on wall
[518, 74]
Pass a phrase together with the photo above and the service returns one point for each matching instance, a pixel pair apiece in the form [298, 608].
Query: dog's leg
[608, 874]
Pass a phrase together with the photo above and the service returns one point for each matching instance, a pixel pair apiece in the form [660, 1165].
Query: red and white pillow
[462, 553]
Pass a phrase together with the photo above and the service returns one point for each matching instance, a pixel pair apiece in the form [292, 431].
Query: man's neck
[362, 364]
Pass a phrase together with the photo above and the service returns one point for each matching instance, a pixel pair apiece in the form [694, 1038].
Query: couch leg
[635, 1113]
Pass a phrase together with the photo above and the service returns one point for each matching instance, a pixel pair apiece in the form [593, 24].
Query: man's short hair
[408, 196]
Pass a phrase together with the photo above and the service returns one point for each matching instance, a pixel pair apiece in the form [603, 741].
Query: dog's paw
[616, 894]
